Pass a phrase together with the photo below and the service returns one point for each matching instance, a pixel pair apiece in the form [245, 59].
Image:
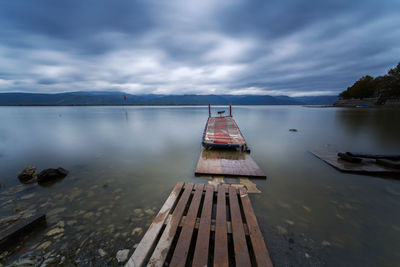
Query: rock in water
[28, 175]
[50, 175]
[122, 255]
[102, 252]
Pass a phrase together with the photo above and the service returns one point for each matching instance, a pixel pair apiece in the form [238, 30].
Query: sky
[275, 47]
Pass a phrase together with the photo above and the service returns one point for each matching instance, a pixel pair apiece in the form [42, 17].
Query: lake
[124, 161]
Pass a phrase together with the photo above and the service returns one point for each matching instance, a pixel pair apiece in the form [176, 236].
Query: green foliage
[367, 86]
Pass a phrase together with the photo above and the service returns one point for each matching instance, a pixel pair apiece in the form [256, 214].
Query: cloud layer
[203, 47]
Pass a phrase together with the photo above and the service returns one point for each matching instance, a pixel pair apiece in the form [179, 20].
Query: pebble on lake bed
[44, 245]
[137, 231]
[281, 230]
[102, 252]
[122, 255]
[88, 215]
[149, 212]
[289, 222]
[306, 208]
[326, 243]
[54, 231]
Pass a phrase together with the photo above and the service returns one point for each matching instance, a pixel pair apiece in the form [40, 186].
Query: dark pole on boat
[230, 110]
[209, 110]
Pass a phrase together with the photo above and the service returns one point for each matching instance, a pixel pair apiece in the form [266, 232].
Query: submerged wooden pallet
[201, 226]
[365, 167]
[227, 163]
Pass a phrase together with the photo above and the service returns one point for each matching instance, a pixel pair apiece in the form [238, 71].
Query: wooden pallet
[199, 225]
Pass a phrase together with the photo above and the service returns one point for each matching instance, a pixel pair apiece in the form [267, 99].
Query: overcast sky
[295, 48]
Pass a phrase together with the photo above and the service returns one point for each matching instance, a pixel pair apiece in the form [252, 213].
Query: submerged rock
[44, 245]
[28, 196]
[326, 243]
[102, 252]
[122, 255]
[281, 230]
[54, 231]
[137, 231]
[51, 175]
[149, 212]
[28, 175]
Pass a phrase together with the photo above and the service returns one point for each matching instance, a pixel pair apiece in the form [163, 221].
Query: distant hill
[318, 100]
[117, 98]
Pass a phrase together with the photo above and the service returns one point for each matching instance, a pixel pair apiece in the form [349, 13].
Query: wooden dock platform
[199, 225]
[367, 166]
[228, 163]
[223, 132]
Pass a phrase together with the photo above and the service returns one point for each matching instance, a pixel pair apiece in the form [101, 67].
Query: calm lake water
[124, 161]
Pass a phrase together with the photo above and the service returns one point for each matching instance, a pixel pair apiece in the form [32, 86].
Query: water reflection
[123, 159]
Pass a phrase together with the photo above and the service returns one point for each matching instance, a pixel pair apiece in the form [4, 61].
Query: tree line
[381, 86]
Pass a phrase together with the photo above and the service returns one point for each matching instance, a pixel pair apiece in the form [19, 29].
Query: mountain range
[118, 98]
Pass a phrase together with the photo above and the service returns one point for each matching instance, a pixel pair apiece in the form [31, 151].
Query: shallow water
[126, 158]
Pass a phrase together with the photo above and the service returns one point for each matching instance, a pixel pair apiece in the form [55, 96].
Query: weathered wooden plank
[221, 240]
[182, 247]
[17, 229]
[160, 252]
[242, 257]
[144, 248]
[200, 258]
[257, 241]
[229, 163]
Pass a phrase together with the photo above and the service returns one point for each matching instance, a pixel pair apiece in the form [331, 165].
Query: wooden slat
[257, 240]
[144, 248]
[242, 257]
[21, 228]
[221, 240]
[182, 247]
[200, 258]
[162, 248]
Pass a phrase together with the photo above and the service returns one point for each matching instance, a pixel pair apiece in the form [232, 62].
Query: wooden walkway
[201, 226]
[228, 163]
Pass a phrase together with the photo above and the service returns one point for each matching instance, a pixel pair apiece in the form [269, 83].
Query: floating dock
[226, 152]
[223, 132]
[225, 234]
[367, 166]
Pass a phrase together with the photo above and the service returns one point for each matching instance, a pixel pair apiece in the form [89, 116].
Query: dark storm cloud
[241, 47]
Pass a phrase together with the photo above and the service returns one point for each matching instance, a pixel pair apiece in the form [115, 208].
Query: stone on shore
[28, 175]
[50, 175]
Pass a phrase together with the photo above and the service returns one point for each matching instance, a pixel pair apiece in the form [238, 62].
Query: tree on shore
[381, 86]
